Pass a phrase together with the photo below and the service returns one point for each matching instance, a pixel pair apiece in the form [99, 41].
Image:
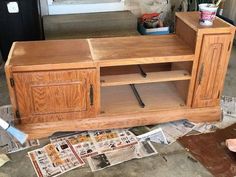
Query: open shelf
[156, 96]
[137, 78]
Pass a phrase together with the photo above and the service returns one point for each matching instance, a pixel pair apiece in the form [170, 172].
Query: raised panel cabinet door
[212, 69]
[54, 95]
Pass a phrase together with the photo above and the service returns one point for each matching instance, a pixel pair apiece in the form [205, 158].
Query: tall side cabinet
[212, 51]
[104, 83]
[213, 64]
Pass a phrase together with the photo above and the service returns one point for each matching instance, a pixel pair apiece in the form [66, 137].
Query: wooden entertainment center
[103, 83]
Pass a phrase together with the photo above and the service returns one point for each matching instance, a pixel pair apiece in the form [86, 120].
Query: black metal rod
[140, 101]
[144, 74]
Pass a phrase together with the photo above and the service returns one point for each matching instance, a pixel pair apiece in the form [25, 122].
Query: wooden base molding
[40, 130]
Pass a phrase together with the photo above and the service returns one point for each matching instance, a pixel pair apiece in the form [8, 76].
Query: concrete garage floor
[172, 160]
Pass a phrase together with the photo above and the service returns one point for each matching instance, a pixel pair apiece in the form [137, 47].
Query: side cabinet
[212, 69]
[44, 96]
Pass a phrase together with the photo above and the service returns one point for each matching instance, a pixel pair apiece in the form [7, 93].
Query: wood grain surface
[46, 96]
[44, 129]
[192, 20]
[156, 96]
[139, 50]
[163, 76]
[51, 54]
[212, 70]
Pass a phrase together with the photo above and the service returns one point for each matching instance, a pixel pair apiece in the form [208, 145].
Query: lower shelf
[137, 78]
[156, 96]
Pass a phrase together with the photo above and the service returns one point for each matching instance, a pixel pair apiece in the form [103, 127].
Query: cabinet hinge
[229, 45]
[12, 82]
[17, 114]
[91, 95]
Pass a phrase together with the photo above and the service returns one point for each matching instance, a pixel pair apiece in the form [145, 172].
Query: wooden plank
[194, 69]
[137, 78]
[11, 90]
[186, 33]
[139, 50]
[183, 86]
[156, 96]
[192, 20]
[40, 130]
[46, 55]
[131, 69]
[59, 66]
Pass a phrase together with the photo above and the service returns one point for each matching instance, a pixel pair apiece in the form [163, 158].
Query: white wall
[132, 5]
[230, 9]
[44, 7]
[85, 8]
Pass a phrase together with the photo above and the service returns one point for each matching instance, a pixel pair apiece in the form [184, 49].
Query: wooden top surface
[192, 19]
[85, 53]
[133, 50]
[50, 52]
[100, 51]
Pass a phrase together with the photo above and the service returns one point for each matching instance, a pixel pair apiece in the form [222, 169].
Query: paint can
[207, 14]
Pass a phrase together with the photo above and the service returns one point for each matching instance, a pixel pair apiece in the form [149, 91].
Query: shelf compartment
[137, 78]
[156, 96]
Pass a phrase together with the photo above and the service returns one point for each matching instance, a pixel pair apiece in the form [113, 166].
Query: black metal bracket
[12, 82]
[142, 72]
[17, 114]
[140, 101]
[91, 95]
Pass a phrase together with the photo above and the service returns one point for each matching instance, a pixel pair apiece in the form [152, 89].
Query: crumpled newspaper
[3, 159]
[8, 144]
[228, 104]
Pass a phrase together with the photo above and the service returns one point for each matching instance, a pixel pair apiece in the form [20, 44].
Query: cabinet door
[212, 69]
[55, 95]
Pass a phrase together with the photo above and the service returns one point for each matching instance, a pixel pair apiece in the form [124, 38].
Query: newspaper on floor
[205, 127]
[228, 104]
[6, 113]
[8, 143]
[67, 152]
[174, 130]
[111, 158]
[156, 135]
[94, 142]
[3, 159]
[81, 142]
[55, 159]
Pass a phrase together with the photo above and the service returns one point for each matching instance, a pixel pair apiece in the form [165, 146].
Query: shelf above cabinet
[137, 78]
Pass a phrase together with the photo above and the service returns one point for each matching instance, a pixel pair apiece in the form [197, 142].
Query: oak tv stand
[84, 84]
